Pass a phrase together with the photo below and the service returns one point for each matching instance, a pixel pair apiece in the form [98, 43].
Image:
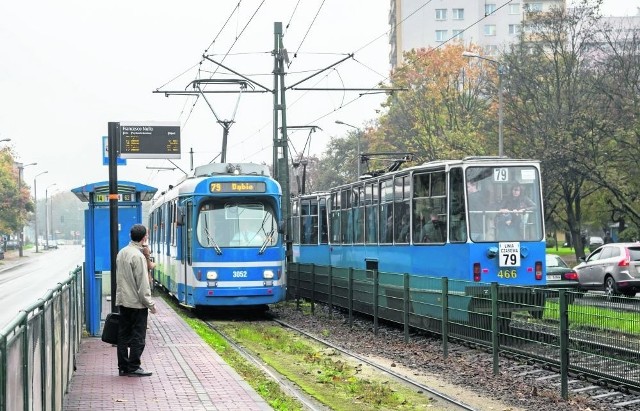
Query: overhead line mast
[280, 143]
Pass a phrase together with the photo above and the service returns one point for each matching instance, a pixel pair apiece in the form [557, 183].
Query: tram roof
[442, 164]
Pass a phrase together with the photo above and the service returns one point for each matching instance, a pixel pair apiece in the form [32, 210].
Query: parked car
[11, 245]
[595, 242]
[614, 268]
[559, 274]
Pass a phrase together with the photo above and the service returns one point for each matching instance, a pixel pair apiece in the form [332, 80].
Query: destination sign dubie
[150, 139]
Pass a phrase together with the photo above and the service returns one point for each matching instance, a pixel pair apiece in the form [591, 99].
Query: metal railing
[591, 335]
[37, 349]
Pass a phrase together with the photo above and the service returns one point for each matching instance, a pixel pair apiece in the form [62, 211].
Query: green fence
[37, 349]
[588, 335]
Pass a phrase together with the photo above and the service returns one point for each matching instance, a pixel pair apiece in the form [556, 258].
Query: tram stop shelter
[97, 237]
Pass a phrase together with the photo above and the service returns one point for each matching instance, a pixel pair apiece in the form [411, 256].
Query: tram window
[372, 224]
[295, 221]
[429, 208]
[335, 218]
[234, 224]
[346, 217]
[386, 223]
[386, 211]
[438, 184]
[371, 213]
[324, 232]
[358, 214]
[174, 223]
[189, 223]
[313, 216]
[401, 213]
[494, 192]
[306, 222]
[457, 209]
[386, 191]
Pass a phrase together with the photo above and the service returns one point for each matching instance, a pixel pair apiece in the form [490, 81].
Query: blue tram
[216, 237]
[478, 220]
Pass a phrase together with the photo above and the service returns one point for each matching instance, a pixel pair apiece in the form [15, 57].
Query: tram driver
[513, 214]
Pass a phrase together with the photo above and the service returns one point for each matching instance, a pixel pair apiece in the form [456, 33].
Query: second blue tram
[217, 237]
[455, 219]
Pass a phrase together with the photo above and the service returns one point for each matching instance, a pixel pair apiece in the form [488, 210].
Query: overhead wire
[343, 104]
[385, 78]
[237, 37]
[292, 14]
[235, 9]
[428, 52]
[295, 55]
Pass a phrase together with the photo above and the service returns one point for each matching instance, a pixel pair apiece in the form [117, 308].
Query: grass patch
[596, 318]
[322, 372]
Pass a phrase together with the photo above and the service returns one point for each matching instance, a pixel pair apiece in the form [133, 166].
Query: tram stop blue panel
[127, 217]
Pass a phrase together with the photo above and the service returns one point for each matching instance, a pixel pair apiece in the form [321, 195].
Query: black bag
[110, 330]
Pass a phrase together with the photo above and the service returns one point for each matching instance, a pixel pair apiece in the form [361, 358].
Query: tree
[15, 202]
[443, 112]
[337, 165]
[553, 109]
[616, 61]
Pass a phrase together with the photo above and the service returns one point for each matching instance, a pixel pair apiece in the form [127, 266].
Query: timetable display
[104, 198]
[150, 140]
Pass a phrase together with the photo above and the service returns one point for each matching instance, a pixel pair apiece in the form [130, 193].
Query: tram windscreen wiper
[266, 241]
[210, 237]
[269, 236]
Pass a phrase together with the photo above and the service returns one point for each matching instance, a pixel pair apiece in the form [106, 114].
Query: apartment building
[492, 24]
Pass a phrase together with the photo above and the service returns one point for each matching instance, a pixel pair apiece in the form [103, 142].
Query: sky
[71, 66]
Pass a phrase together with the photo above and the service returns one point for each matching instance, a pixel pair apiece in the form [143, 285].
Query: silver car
[614, 268]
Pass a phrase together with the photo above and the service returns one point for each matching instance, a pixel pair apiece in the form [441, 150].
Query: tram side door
[187, 251]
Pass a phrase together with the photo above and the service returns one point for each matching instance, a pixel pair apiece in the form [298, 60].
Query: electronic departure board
[150, 140]
[238, 187]
[104, 198]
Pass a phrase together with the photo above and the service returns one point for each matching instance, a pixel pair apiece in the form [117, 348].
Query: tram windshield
[236, 224]
[503, 203]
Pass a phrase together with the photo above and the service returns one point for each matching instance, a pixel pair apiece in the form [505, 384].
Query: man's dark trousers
[132, 333]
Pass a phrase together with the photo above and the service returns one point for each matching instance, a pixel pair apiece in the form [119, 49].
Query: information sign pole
[114, 148]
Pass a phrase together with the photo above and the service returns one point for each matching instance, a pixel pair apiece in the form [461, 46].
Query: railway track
[600, 385]
[438, 400]
[307, 402]
[528, 366]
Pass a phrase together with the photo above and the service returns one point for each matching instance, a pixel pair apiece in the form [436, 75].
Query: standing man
[133, 298]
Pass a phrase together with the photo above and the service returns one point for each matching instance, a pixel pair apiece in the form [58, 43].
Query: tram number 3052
[240, 274]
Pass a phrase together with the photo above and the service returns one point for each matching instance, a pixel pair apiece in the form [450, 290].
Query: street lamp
[501, 71]
[35, 208]
[46, 215]
[358, 132]
[21, 234]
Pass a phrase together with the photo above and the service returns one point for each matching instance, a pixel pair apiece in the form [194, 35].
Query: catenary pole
[280, 139]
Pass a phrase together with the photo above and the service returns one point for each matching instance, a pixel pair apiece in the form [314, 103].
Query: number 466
[507, 274]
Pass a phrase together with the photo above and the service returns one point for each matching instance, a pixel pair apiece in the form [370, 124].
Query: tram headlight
[212, 275]
[268, 274]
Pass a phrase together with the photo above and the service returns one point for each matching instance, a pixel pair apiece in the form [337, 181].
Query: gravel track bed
[468, 371]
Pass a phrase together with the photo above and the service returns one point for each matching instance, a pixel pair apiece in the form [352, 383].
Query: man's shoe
[139, 373]
[122, 373]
